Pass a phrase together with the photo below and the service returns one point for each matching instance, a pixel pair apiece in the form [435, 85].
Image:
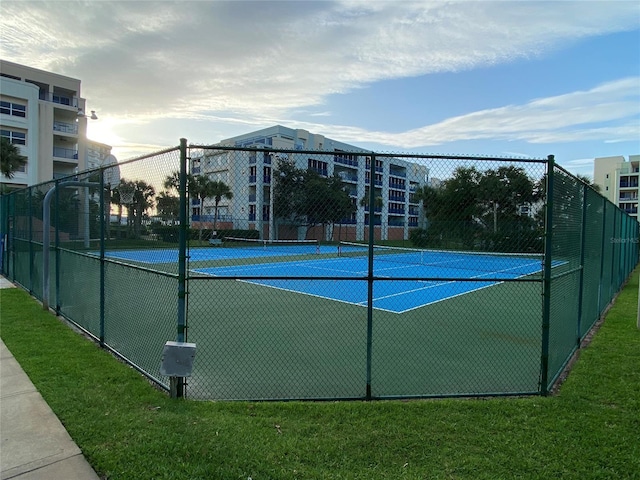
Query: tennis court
[351, 261]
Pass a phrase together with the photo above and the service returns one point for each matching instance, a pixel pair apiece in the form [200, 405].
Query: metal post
[614, 246]
[546, 285]
[31, 241]
[102, 248]
[602, 248]
[182, 259]
[370, 274]
[86, 234]
[57, 247]
[583, 238]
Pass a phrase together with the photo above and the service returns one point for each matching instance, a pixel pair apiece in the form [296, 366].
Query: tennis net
[290, 246]
[523, 263]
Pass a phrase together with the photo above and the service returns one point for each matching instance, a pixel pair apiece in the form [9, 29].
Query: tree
[137, 196]
[588, 181]
[142, 201]
[168, 206]
[10, 158]
[218, 190]
[305, 198]
[505, 193]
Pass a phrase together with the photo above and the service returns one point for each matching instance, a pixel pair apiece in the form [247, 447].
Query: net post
[546, 283]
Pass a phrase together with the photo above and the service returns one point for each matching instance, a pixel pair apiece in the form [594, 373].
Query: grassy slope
[129, 430]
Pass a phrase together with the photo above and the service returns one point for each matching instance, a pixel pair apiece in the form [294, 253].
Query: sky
[504, 78]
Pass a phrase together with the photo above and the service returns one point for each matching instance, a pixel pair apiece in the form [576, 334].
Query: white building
[249, 175]
[44, 114]
[618, 180]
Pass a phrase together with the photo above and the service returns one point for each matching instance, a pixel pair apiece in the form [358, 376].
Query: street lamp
[93, 115]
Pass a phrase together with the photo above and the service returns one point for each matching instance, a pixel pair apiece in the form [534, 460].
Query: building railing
[67, 153]
[345, 161]
[65, 128]
[211, 218]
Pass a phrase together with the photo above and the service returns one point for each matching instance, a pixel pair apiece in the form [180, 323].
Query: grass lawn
[129, 430]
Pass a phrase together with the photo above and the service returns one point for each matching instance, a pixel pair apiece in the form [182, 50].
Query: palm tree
[219, 190]
[10, 158]
[142, 200]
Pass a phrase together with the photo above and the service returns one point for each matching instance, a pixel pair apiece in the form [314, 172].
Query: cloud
[166, 59]
[610, 110]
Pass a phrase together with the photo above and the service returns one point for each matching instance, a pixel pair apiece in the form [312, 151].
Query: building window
[17, 138]
[9, 108]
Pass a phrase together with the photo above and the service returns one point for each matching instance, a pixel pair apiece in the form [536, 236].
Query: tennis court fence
[326, 274]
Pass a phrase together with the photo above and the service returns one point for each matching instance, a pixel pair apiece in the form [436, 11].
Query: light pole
[82, 154]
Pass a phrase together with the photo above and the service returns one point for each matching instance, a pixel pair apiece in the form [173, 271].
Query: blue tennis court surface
[396, 296]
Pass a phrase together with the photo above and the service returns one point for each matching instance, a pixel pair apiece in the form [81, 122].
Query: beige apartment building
[44, 114]
[618, 179]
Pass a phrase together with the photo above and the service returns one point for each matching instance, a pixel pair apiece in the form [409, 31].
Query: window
[17, 138]
[9, 108]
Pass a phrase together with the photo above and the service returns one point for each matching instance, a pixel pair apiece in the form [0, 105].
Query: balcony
[59, 99]
[396, 211]
[252, 178]
[62, 127]
[195, 170]
[347, 177]
[252, 197]
[396, 198]
[345, 161]
[67, 153]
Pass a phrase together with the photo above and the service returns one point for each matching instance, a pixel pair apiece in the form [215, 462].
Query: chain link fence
[314, 274]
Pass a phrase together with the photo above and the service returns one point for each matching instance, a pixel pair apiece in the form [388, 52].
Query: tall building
[618, 180]
[249, 175]
[44, 114]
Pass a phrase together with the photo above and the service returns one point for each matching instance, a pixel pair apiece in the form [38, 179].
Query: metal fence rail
[326, 275]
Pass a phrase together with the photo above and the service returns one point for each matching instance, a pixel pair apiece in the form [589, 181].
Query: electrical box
[177, 359]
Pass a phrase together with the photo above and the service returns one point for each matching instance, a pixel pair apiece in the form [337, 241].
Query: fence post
[31, 242]
[370, 272]
[546, 284]
[583, 237]
[177, 383]
[602, 248]
[103, 213]
[56, 244]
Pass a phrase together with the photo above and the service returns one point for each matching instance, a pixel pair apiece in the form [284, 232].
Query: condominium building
[618, 180]
[249, 175]
[44, 114]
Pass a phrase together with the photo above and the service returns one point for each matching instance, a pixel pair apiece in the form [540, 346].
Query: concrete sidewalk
[34, 444]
